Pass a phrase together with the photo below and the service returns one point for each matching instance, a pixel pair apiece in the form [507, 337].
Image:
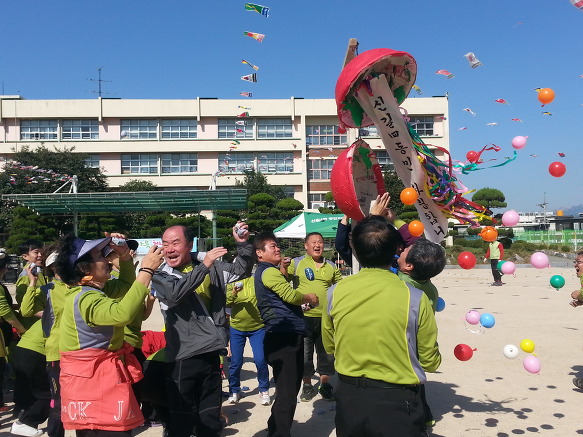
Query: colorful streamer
[263, 10]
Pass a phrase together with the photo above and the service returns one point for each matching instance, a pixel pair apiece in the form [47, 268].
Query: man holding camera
[192, 298]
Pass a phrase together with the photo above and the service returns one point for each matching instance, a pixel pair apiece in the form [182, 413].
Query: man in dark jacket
[283, 345]
[191, 291]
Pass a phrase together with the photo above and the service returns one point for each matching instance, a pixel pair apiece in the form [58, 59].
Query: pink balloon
[508, 268]
[473, 317]
[532, 364]
[519, 142]
[510, 218]
[539, 260]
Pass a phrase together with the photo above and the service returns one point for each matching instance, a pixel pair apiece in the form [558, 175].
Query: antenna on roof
[99, 82]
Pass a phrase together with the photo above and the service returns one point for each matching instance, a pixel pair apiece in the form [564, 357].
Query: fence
[572, 238]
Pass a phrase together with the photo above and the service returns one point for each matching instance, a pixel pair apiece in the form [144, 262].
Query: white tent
[306, 222]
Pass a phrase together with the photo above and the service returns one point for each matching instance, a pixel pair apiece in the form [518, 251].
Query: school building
[206, 142]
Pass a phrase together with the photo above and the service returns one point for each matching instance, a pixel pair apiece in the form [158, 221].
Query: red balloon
[466, 260]
[557, 169]
[463, 352]
[472, 156]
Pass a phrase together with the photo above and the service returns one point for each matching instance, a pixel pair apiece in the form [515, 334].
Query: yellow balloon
[527, 345]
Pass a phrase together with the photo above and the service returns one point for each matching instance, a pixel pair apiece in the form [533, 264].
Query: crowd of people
[79, 358]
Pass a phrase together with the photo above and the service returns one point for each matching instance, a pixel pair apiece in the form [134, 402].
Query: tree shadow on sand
[443, 399]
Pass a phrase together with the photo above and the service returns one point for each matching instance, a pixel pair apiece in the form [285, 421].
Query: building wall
[111, 145]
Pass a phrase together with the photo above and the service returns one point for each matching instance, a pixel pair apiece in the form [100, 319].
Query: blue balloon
[309, 274]
[487, 320]
[440, 304]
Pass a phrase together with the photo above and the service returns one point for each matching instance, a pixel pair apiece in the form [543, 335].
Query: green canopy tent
[306, 222]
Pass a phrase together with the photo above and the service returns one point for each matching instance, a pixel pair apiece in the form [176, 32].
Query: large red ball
[466, 260]
[557, 169]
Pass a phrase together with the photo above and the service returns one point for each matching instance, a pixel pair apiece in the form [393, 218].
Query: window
[318, 200]
[139, 163]
[179, 129]
[288, 190]
[179, 163]
[384, 160]
[236, 162]
[235, 128]
[139, 129]
[38, 129]
[92, 160]
[83, 129]
[320, 168]
[324, 135]
[423, 125]
[274, 128]
[272, 162]
[369, 131]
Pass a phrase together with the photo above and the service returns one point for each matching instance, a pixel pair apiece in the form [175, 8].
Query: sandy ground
[489, 395]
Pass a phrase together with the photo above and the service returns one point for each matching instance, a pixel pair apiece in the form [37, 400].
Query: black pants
[379, 412]
[32, 383]
[154, 389]
[285, 354]
[324, 361]
[495, 272]
[55, 426]
[194, 393]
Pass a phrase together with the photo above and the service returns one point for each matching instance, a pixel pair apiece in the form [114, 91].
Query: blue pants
[238, 339]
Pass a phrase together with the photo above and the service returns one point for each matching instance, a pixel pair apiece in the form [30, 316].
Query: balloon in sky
[519, 142]
[409, 196]
[440, 305]
[463, 352]
[473, 317]
[578, 4]
[546, 96]
[472, 156]
[489, 233]
[487, 320]
[532, 364]
[539, 260]
[527, 345]
[466, 260]
[416, 228]
[557, 281]
[557, 169]
[511, 351]
[510, 218]
[508, 268]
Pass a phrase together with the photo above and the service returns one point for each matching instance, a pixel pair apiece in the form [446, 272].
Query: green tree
[256, 182]
[41, 170]
[489, 198]
[137, 185]
[329, 199]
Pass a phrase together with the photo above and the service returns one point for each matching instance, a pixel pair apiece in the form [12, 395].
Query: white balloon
[511, 351]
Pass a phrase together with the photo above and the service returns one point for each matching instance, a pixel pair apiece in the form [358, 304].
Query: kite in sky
[243, 114]
[416, 88]
[246, 94]
[504, 102]
[240, 123]
[441, 117]
[258, 36]
[516, 119]
[445, 73]
[561, 154]
[254, 67]
[236, 142]
[243, 107]
[474, 62]
[263, 10]
[470, 111]
[462, 128]
[250, 77]
[492, 124]
[547, 113]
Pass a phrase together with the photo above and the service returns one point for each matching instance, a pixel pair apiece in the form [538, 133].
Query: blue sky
[175, 49]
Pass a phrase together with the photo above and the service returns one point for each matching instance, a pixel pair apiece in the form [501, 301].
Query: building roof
[139, 201]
